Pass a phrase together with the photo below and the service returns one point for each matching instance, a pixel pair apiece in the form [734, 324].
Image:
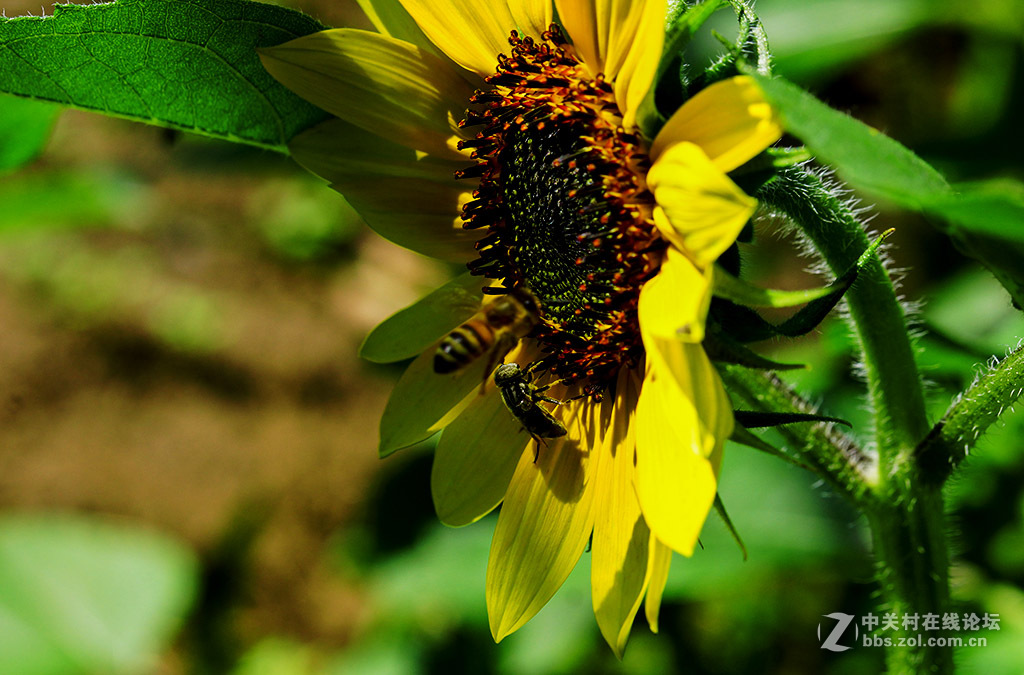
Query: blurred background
[188, 440]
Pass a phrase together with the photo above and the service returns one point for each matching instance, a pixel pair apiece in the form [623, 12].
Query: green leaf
[24, 129]
[864, 157]
[744, 324]
[413, 329]
[987, 223]
[727, 521]
[987, 219]
[723, 348]
[82, 596]
[743, 292]
[754, 419]
[183, 64]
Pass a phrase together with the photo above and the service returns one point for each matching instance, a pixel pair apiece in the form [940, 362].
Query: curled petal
[698, 208]
[660, 559]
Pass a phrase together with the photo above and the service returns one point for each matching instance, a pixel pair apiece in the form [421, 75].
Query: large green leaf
[865, 158]
[986, 220]
[24, 128]
[82, 596]
[178, 63]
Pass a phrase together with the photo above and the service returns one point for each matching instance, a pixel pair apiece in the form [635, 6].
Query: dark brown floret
[563, 196]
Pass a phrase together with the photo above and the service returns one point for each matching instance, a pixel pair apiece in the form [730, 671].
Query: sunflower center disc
[553, 209]
[564, 199]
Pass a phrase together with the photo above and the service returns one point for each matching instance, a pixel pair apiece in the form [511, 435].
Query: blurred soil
[173, 367]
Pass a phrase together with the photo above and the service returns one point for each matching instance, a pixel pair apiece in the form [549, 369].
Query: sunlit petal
[532, 17]
[579, 17]
[638, 46]
[683, 418]
[543, 527]
[470, 32]
[729, 120]
[619, 563]
[674, 304]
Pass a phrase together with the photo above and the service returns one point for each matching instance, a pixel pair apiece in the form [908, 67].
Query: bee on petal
[522, 397]
[494, 330]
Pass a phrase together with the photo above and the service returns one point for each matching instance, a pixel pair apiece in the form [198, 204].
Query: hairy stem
[894, 384]
[908, 531]
[970, 416]
[905, 511]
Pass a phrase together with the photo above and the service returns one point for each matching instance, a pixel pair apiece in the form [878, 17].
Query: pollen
[563, 198]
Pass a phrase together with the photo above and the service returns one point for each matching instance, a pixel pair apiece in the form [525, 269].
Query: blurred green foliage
[24, 128]
[78, 595]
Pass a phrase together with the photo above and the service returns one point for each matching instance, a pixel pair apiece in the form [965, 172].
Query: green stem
[908, 530]
[906, 512]
[894, 384]
[969, 416]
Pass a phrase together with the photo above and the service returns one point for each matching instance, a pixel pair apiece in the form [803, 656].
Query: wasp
[496, 329]
[522, 397]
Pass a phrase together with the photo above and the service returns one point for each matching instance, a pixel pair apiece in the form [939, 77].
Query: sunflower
[487, 133]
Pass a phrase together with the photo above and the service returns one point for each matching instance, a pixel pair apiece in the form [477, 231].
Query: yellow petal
[337, 150]
[470, 32]
[730, 121]
[619, 565]
[660, 559]
[543, 526]
[474, 461]
[698, 208]
[683, 419]
[421, 215]
[601, 31]
[620, 38]
[391, 19]
[579, 18]
[532, 17]
[383, 85]
[639, 47]
[674, 304]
